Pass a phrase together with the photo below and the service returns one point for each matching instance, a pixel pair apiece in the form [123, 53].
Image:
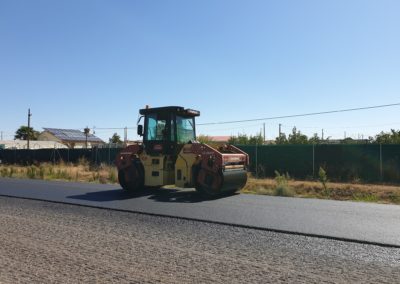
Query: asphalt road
[363, 222]
[44, 242]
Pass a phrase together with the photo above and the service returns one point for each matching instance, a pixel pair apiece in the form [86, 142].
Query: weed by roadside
[323, 179]
[112, 175]
[31, 172]
[282, 185]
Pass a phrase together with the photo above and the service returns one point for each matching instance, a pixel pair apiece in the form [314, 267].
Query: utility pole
[86, 131]
[345, 135]
[29, 127]
[1, 135]
[322, 134]
[264, 132]
[125, 135]
[280, 130]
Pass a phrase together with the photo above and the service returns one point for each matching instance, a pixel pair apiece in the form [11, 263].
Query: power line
[343, 126]
[114, 128]
[234, 128]
[300, 115]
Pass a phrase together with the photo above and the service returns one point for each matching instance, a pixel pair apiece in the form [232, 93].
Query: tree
[24, 132]
[349, 140]
[256, 140]
[315, 139]
[240, 139]
[297, 138]
[281, 139]
[115, 139]
[204, 139]
[243, 139]
[392, 137]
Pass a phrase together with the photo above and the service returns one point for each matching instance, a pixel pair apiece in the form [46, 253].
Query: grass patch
[282, 185]
[81, 172]
[387, 194]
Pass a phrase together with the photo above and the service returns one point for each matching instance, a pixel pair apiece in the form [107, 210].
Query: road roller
[169, 154]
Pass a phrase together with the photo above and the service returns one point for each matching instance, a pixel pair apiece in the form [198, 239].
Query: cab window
[156, 128]
[185, 129]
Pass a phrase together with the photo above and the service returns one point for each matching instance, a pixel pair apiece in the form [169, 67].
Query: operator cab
[167, 129]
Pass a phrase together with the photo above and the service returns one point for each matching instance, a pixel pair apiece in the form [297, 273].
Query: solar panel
[72, 135]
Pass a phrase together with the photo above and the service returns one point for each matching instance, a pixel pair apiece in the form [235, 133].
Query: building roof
[72, 135]
[220, 138]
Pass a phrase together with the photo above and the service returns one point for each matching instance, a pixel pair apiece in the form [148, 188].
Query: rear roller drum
[131, 178]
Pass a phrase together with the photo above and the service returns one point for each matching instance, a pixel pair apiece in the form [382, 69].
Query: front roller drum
[213, 184]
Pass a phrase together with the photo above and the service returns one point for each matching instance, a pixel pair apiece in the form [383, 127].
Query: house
[72, 138]
[34, 144]
[220, 139]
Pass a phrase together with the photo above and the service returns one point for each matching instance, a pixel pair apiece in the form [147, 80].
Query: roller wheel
[212, 185]
[132, 178]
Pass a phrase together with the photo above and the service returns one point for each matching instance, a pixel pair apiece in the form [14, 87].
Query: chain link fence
[366, 163]
[27, 157]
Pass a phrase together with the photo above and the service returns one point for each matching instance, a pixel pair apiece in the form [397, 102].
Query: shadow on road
[109, 195]
[159, 195]
[174, 196]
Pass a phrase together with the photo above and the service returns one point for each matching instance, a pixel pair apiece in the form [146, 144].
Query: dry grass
[337, 191]
[83, 172]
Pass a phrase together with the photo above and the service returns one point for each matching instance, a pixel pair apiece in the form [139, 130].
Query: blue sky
[95, 63]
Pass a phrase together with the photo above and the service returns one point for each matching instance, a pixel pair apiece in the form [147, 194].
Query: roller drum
[233, 180]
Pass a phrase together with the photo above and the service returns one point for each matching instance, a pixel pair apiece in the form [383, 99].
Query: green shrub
[395, 197]
[323, 179]
[112, 176]
[62, 174]
[282, 185]
[51, 172]
[365, 197]
[31, 172]
[4, 172]
[41, 172]
[11, 172]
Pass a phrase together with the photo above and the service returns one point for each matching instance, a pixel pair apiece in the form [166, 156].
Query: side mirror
[140, 130]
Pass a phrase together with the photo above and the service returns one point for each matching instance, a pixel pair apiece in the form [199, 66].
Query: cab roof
[170, 109]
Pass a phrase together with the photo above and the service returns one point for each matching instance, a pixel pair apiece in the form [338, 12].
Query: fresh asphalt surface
[361, 222]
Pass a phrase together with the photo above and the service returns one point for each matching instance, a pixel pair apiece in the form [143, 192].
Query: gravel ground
[42, 242]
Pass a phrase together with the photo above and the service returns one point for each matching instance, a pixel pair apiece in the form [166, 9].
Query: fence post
[256, 160]
[381, 161]
[313, 160]
[109, 158]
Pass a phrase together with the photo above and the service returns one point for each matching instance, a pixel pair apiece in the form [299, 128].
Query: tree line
[295, 137]
[298, 138]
